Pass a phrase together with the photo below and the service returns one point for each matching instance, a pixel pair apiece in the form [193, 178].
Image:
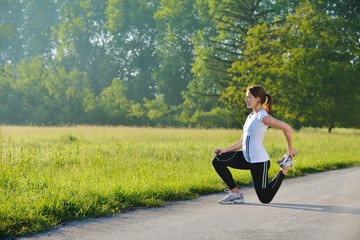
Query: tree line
[178, 63]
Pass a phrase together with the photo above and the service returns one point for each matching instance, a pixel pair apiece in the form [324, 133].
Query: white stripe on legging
[277, 178]
[264, 176]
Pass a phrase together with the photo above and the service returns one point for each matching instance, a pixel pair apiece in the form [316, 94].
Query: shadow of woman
[312, 207]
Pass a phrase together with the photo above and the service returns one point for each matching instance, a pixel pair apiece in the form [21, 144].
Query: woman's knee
[263, 196]
[265, 200]
[215, 162]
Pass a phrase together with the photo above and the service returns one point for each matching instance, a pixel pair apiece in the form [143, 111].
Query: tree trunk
[330, 127]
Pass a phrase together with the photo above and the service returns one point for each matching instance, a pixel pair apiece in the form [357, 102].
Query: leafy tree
[7, 75]
[25, 29]
[217, 117]
[157, 111]
[169, 62]
[177, 22]
[40, 17]
[83, 41]
[113, 102]
[23, 92]
[39, 93]
[222, 43]
[133, 33]
[11, 20]
[305, 64]
[68, 92]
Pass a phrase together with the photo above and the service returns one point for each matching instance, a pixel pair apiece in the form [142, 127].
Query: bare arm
[232, 148]
[275, 123]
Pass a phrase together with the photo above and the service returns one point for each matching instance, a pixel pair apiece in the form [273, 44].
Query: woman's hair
[266, 100]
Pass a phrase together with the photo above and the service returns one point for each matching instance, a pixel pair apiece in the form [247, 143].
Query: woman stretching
[253, 156]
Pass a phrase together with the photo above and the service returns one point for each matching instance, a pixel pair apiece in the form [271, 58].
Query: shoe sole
[238, 201]
[232, 202]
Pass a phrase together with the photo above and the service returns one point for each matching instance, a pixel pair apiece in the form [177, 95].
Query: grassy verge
[52, 175]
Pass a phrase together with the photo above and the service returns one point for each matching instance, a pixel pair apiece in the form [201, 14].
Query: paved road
[317, 206]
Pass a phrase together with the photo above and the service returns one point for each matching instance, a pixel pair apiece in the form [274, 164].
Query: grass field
[50, 175]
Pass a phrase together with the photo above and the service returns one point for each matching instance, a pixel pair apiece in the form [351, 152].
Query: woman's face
[250, 100]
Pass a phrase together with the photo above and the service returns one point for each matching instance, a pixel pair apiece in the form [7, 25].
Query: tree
[11, 20]
[68, 93]
[40, 17]
[23, 92]
[177, 23]
[306, 65]
[37, 91]
[84, 43]
[113, 102]
[222, 43]
[133, 32]
[25, 29]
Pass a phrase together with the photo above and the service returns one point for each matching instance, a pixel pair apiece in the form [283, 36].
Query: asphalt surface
[317, 206]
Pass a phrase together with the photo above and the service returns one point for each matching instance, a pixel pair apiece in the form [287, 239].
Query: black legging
[265, 190]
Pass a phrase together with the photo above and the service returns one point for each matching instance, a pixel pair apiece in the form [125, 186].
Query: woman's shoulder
[262, 113]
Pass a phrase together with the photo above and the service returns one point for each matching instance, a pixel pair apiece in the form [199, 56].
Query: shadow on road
[312, 208]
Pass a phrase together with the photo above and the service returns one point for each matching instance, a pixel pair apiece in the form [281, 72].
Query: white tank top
[253, 135]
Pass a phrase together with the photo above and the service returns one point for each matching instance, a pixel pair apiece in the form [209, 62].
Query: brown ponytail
[268, 104]
[266, 99]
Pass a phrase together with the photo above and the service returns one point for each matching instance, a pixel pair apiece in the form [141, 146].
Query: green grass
[50, 175]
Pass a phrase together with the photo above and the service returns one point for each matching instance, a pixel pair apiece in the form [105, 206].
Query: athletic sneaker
[286, 161]
[232, 198]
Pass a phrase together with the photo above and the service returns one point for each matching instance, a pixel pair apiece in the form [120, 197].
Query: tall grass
[49, 175]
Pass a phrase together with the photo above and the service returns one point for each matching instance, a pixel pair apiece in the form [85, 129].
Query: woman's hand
[219, 151]
[292, 152]
[233, 147]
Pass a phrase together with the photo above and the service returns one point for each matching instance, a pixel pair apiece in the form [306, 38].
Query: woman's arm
[232, 148]
[273, 122]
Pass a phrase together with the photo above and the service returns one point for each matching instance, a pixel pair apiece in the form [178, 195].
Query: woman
[253, 156]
